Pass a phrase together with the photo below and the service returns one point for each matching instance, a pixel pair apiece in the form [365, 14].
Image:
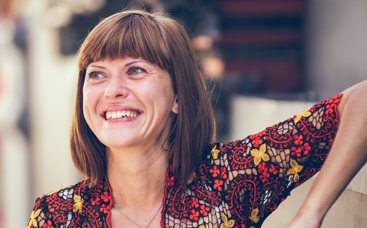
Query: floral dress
[236, 185]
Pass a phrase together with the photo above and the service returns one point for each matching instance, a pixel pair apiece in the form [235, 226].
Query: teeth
[120, 114]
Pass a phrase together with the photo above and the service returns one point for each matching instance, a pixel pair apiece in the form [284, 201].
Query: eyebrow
[126, 65]
[96, 66]
[135, 61]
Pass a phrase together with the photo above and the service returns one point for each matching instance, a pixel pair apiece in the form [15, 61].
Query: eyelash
[95, 75]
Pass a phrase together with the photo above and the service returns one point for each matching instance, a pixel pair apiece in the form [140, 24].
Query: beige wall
[14, 153]
[52, 90]
[337, 47]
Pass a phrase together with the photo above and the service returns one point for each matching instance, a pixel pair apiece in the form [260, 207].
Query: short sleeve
[262, 169]
[37, 217]
[76, 205]
[53, 210]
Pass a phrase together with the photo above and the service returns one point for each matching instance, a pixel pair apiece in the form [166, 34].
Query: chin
[118, 143]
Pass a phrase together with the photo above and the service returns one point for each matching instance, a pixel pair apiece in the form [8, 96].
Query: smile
[120, 114]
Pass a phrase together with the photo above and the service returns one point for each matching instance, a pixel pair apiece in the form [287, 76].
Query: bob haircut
[163, 41]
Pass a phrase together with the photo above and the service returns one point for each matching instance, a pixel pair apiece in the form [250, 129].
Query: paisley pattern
[236, 185]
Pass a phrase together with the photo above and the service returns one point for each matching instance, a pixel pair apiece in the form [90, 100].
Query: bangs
[135, 35]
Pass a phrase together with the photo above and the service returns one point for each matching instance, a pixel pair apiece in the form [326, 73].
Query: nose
[116, 88]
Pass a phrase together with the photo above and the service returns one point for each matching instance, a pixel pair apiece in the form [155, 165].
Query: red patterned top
[236, 185]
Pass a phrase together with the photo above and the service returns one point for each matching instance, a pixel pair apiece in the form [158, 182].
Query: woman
[143, 134]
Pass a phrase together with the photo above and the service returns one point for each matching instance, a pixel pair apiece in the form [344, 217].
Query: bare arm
[348, 154]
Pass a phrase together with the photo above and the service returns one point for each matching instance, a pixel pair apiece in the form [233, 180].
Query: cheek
[85, 112]
[87, 105]
[89, 96]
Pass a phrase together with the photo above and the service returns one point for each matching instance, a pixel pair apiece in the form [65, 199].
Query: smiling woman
[160, 43]
[143, 135]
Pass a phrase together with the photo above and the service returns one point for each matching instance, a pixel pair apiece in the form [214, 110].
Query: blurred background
[264, 61]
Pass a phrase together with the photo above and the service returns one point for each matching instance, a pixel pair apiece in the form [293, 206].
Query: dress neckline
[169, 182]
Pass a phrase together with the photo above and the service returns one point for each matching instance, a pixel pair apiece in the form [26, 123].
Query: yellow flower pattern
[215, 152]
[259, 154]
[295, 169]
[33, 219]
[255, 215]
[226, 223]
[78, 202]
[305, 113]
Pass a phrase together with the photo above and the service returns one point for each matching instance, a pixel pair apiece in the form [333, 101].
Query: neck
[137, 177]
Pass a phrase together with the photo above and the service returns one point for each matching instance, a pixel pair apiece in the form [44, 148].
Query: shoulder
[64, 196]
[69, 204]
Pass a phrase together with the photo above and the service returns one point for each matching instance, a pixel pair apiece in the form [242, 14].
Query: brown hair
[163, 41]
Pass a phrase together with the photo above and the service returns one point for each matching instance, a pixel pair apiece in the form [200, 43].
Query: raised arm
[347, 156]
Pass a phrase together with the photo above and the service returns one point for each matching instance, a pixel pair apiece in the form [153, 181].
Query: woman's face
[128, 102]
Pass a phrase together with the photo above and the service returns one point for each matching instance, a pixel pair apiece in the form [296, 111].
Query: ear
[175, 106]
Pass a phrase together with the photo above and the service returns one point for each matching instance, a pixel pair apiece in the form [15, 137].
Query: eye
[136, 70]
[94, 75]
